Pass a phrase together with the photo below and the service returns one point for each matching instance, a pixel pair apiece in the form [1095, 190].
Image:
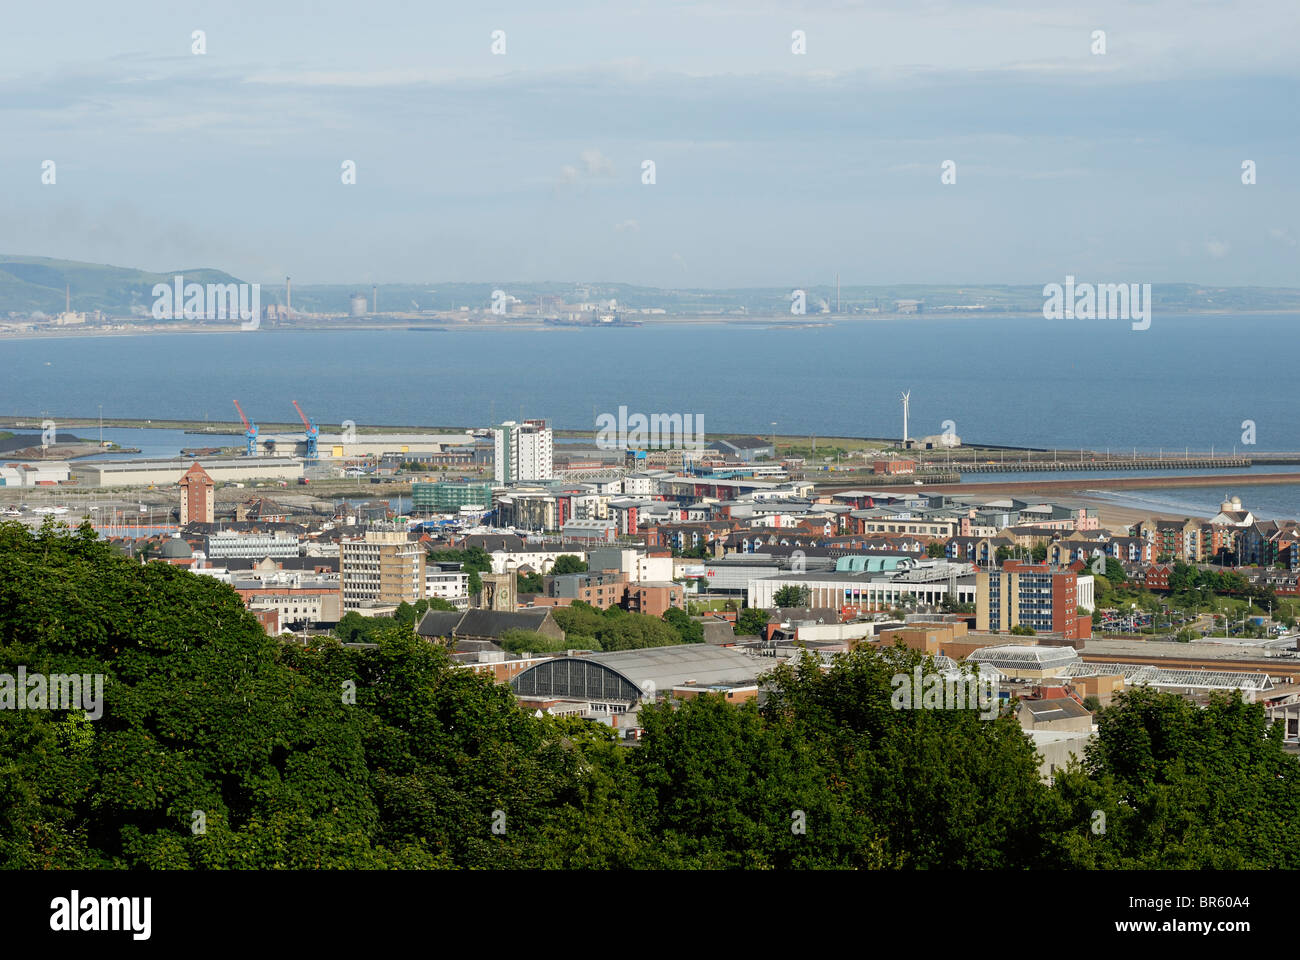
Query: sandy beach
[1118, 519]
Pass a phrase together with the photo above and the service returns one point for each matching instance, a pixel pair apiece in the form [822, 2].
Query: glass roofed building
[1024, 662]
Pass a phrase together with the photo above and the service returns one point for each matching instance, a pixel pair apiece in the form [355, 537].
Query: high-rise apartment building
[1035, 595]
[382, 568]
[523, 451]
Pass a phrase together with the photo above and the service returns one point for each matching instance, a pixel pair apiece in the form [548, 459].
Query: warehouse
[34, 474]
[354, 445]
[162, 473]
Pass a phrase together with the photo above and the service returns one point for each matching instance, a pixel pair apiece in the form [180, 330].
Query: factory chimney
[67, 298]
[374, 297]
[288, 294]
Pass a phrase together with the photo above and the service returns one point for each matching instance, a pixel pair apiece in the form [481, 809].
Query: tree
[529, 582]
[354, 628]
[530, 641]
[1022, 630]
[318, 756]
[1183, 788]
[791, 595]
[568, 563]
[615, 629]
[751, 621]
[688, 629]
[935, 549]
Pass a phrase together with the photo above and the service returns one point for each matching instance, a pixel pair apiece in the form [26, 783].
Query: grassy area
[711, 605]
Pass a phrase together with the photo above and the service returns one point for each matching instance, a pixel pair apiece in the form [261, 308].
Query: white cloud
[1282, 235]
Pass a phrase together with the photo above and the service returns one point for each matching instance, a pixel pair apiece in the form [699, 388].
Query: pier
[1104, 464]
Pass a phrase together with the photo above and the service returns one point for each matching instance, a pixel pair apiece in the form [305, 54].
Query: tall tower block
[198, 496]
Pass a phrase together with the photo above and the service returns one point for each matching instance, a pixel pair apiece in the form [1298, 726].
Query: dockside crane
[313, 432]
[250, 433]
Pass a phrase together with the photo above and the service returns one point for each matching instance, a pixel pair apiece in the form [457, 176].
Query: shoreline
[431, 325]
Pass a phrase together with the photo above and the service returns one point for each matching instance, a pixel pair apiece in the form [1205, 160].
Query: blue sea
[1188, 381]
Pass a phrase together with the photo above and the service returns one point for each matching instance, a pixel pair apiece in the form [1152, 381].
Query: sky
[771, 167]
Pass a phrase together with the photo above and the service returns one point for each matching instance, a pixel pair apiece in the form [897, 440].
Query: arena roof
[629, 675]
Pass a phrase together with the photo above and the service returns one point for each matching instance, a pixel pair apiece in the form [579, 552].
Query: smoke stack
[288, 293]
[374, 297]
[67, 298]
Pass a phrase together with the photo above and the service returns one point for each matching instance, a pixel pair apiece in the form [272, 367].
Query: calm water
[1265, 502]
[1186, 381]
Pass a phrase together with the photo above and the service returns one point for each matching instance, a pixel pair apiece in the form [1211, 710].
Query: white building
[447, 584]
[867, 591]
[523, 451]
[34, 474]
[540, 557]
[1085, 592]
[254, 546]
[638, 565]
[640, 485]
[142, 473]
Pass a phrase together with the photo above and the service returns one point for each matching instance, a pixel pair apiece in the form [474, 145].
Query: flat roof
[1158, 649]
[184, 463]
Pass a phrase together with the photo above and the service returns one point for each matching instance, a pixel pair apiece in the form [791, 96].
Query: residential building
[1043, 597]
[447, 582]
[523, 451]
[449, 496]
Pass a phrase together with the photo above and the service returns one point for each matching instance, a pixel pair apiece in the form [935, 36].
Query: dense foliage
[328, 757]
[587, 628]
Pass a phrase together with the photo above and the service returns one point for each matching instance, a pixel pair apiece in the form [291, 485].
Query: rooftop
[704, 664]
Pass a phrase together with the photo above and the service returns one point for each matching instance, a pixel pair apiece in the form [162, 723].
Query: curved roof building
[631, 675]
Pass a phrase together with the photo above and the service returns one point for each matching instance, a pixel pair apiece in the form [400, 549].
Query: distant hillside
[758, 301]
[37, 283]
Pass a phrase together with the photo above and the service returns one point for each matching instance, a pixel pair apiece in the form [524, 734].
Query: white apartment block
[449, 585]
[523, 451]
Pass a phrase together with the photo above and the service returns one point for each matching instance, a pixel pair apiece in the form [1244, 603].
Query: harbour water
[1005, 380]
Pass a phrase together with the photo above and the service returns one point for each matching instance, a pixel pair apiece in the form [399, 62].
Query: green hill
[38, 283]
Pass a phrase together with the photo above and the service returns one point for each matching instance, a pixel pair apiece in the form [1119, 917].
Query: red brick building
[893, 466]
[198, 496]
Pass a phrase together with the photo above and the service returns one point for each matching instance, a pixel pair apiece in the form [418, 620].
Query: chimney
[288, 294]
[374, 297]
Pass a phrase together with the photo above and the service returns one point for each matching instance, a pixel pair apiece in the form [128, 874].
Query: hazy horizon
[772, 169]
